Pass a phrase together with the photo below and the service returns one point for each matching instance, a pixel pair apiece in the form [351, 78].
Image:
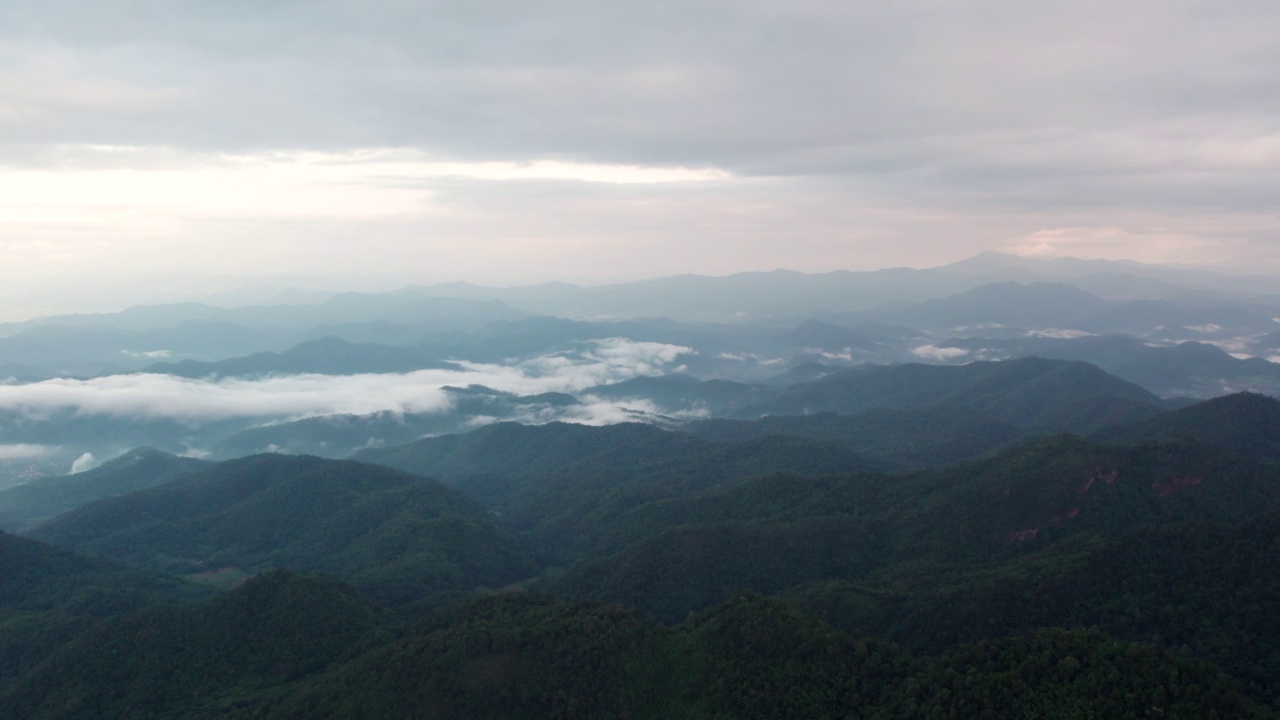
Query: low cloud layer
[296, 396]
[25, 451]
[939, 354]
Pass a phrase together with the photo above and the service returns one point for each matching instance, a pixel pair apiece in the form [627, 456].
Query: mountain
[677, 391]
[1201, 587]
[326, 356]
[400, 538]
[1000, 305]
[531, 657]
[1170, 321]
[38, 576]
[1190, 280]
[513, 450]
[559, 484]
[26, 506]
[201, 660]
[729, 298]
[904, 438]
[1028, 392]
[84, 345]
[57, 349]
[1189, 369]
[49, 596]
[1245, 423]
[671, 556]
[1050, 488]
[343, 435]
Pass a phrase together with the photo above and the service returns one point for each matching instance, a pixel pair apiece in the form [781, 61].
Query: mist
[156, 396]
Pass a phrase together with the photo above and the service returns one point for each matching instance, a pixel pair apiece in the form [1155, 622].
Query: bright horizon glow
[106, 184]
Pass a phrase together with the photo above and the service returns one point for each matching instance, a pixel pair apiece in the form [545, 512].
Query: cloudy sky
[508, 142]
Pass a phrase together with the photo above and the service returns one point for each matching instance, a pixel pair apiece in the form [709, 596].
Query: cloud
[1059, 333]
[834, 132]
[939, 354]
[599, 411]
[295, 396]
[85, 462]
[25, 451]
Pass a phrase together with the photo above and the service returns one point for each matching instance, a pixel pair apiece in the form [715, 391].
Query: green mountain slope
[49, 595]
[903, 438]
[527, 657]
[26, 506]
[200, 660]
[1028, 392]
[399, 537]
[679, 555]
[1245, 423]
[560, 483]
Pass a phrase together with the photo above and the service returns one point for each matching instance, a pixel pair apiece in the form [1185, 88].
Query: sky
[511, 142]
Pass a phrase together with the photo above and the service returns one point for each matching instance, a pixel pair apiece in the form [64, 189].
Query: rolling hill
[401, 538]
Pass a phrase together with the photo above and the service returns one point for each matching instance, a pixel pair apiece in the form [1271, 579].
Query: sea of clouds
[153, 396]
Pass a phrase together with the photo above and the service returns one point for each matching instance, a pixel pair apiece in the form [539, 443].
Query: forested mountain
[1062, 560]
[532, 657]
[903, 438]
[50, 596]
[201, 660]
[1190, 369]
[26, 506]
[1003, 488]
[343, 435]
[1030, 392]
[676, 557]
[1246, 423]
[559, 484]
[400, 538]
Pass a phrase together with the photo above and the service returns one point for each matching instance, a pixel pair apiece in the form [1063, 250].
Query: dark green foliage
[1069, 675]
[676, 555]
[902, 438]
[1058, 578]
[25, 506]
[777, 498]
[503, 656]
[400, 537]
[1209, 589]
[1245, 423]
[198, 660]
[695, 567]
[561, 484]
[49, 595]
[1051, 488]
[37, 577]
[529, 657]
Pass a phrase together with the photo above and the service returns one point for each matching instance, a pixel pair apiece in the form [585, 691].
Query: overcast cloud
[512, 141]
